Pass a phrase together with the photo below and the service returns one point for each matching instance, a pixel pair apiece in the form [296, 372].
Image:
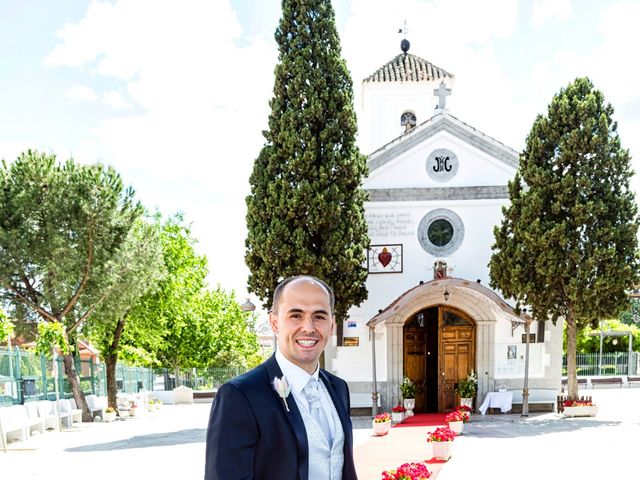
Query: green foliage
[569, 238]
[468, 387]
[182, 324]
[586, 343]
[305, 213]
[140, 268]
[632, 315]
[6, 327]
[50, 336]
[567, 245]
[61, 224]
[407, 388]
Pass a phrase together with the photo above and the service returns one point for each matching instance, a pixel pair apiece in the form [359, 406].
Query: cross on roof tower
[441, 92]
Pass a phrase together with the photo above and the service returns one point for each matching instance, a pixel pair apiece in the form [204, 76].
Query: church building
[436, 189]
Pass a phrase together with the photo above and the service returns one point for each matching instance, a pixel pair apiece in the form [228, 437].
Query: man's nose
[308, 325]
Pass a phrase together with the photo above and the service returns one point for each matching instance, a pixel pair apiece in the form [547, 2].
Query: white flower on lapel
[283, 389]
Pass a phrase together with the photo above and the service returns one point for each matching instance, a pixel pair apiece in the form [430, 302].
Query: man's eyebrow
[300, 310]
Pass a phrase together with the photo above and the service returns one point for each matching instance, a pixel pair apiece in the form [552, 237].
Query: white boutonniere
[283, 389]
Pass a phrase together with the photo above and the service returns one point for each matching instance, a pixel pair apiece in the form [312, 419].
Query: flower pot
[381, 428]
[109, 416]
[585, 411]
[397, 417]
[456, 427]
[441, 450]
[467, 402]
[409, 404]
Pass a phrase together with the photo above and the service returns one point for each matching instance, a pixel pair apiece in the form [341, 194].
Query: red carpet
[423, 420]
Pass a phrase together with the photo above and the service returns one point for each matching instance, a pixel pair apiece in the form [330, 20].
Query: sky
[174, 93]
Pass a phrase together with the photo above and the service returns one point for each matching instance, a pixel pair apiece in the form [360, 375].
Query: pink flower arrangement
[407, 471]
[442, 434]
[454, 416]
[382, 418]
[463, 408]
[398, 409]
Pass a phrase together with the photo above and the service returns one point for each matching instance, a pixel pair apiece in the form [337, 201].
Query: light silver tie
[312, 394]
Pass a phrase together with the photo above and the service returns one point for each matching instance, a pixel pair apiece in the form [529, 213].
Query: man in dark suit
[287, 419]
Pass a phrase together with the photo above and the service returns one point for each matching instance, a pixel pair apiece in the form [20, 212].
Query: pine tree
[306, 207]
[567, 245]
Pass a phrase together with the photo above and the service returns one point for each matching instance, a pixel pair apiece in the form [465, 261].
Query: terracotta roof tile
[408, 68]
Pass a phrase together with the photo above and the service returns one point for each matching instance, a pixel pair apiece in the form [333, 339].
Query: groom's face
[303, 322]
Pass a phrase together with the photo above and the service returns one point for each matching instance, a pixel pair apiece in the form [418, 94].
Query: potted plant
[397, 413]
[441, 440]
[382, 424]
[408, 391]
[579, 408]
[455, 421]
[407, 471]
[109, 414]
[467, 389]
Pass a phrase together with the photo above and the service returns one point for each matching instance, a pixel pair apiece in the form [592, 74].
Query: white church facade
[436, 188]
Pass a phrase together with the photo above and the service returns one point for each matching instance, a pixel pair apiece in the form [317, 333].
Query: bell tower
[399, 96]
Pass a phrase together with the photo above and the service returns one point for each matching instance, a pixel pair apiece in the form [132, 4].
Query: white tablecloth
[501, 400]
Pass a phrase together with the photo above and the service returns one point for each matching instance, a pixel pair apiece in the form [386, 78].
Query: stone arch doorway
[438, 352]
[480, 304]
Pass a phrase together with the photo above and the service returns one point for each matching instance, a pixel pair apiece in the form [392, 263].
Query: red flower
[463, 408]
[576, 403]
[398, 409]
[454, 417]
[408, 471]
[443, 434]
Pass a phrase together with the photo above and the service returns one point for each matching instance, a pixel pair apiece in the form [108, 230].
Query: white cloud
[204, 102]
[545, 10]
[116, 101]
[81, 92]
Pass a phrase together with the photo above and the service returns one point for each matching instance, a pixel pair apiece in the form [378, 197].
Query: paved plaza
[170, 444]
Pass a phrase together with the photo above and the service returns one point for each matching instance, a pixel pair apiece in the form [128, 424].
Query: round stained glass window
[440, 232]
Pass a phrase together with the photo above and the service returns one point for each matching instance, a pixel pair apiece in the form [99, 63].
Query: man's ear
[273, 321]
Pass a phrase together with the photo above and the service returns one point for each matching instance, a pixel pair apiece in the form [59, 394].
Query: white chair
[47, 411]
[96, 405]
[74, 413]
[33, 419]
[12, 426]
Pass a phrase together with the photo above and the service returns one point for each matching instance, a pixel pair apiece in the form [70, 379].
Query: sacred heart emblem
[384, 257]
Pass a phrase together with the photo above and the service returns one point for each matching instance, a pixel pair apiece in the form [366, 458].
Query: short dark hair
[277, 294]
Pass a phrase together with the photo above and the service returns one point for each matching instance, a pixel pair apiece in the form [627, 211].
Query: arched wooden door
[456, 353]
[438, 351]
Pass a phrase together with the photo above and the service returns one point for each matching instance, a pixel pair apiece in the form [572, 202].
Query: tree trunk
[111, 360]
[74, 383]
[112, 390]
[572, 376]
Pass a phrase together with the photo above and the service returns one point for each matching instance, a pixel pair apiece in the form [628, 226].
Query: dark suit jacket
[251, 436]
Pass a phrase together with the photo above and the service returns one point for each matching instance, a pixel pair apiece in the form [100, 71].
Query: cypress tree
[567, 245]
[306, 207]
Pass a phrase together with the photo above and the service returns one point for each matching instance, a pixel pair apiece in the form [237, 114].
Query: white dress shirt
[298, 379]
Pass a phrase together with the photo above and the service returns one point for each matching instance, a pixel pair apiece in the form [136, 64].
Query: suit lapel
[293, 416]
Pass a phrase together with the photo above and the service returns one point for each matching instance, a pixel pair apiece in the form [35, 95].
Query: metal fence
[27, 376]
[196, 378]
[610, 364]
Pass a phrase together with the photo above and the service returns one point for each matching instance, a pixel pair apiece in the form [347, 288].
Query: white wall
[383, 103]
